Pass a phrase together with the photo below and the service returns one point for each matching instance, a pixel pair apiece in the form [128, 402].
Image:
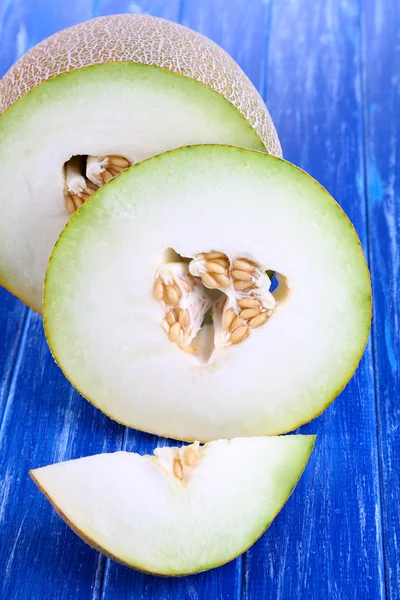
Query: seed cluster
[244, 274]
[247, 303]
[213, 270]
[76, 195]
[188, 458]
[171, 293]
[113, 166]
[176, 322]
[74, 201]
[181, 462]
[178, 468]
[185, 304]
[237, 322]
[216, 272]
[242, 283]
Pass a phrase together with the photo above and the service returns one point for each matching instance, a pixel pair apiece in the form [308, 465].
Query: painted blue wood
[23, 23]
[241, 28]
[12, 321]
[167, 9]
[327, 542]
[307, 60]
[45, 421]
[382, 120]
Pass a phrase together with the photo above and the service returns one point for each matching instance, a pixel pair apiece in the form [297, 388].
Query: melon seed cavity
[179, 463]
[183, 290]
[84, 175]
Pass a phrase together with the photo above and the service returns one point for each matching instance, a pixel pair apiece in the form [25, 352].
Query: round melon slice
[93, 99]
[182, 510]
[159, 306]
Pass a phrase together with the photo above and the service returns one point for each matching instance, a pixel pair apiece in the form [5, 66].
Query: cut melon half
[182, 510]
[93, 99]
[159, 308]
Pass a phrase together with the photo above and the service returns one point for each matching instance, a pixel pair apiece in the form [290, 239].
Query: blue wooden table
[330, 73]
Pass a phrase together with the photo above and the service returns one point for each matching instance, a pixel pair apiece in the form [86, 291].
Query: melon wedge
[158, 305]
[94, 98]
[182, 510]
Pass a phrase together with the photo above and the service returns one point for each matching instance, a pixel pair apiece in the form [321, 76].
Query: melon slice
[93, 99]
[125, 302]
[182, 510]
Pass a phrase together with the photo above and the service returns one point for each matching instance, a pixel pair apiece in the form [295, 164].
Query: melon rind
[146, 40]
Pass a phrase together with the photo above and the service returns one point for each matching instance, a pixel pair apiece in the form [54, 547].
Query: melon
[181, 510]
[91, 100]
[160, 308]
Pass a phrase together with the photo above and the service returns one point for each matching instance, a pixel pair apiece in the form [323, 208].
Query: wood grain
[381, 29]
[327, 542]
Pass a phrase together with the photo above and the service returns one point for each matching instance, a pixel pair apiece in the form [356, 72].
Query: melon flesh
[104, 326]
[132, 86]
[136, 510]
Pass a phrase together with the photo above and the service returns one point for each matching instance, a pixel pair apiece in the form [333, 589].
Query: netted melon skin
[146, 40]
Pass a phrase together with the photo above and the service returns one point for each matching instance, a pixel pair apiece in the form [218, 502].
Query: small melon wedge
[86, 102]
[182, 510]
[138, 269]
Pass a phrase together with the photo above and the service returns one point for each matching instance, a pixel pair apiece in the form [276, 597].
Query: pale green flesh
[132, 509]
[103, 325]
[117, 108]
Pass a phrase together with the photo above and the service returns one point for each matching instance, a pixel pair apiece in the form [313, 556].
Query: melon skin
[135, 512]
[146, 40]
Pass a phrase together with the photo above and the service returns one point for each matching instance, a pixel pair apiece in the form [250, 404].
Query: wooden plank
[167, 9]
[326, 543]
[44, 420]
[12, 320]
[240, 27]
[23, 24]
[382, 114]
